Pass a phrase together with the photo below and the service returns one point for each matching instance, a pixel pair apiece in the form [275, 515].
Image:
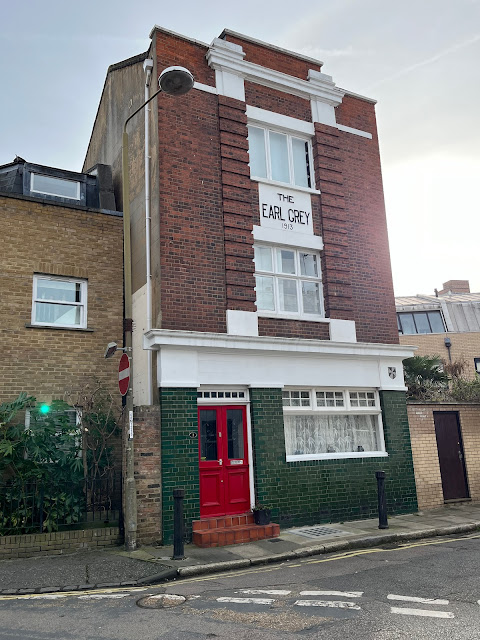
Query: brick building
[266, 356]
[60, 281]
[445, 324]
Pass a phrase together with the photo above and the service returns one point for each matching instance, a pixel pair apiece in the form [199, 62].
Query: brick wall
[273, 59]
[40, 237]
[58, 542]
[278, 101]
[370, 269]
[148, 475]
[465, 346]
[179, 456]
[208, 204]
[425, 453]
[309, 492]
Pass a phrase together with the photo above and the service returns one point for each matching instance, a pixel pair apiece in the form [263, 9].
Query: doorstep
[226, 530]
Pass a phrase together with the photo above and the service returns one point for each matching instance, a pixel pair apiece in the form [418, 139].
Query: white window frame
[52, 193]
[289, 134]
[82, 304]
[77, 434]
[222, 395]
[276, 275]
[315, 409]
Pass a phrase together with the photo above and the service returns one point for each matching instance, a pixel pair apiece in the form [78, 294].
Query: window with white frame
[332, 423]
[59, 302]
[288, 282]
[64, 424]
[53, 186]
[279, 156]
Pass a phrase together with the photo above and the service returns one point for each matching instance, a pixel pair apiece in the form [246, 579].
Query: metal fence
[40, 507]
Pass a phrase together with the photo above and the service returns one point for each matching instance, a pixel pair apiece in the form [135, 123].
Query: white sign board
[285, 209]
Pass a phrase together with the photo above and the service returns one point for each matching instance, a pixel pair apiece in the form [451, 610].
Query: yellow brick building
[61, 281]
[446, 324]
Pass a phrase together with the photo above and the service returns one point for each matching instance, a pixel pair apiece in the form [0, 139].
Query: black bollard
[382, 501]
[178, 549]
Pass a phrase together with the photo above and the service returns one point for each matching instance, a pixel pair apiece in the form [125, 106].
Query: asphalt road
[423, 590]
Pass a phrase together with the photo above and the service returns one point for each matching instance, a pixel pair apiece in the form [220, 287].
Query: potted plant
[262, 514]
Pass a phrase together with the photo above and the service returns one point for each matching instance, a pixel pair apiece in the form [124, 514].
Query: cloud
[423, 63]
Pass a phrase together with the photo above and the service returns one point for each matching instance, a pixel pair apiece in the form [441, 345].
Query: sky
[420, 59]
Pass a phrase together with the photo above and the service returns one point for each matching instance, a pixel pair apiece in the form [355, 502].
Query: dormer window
[52, 186]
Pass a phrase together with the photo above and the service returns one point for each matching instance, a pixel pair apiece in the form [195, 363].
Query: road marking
[346, 594]
[265, 601]
[392, 596]
[333, 604]
[268, 592]
[101, 596]
[31, 596]
[426, 613]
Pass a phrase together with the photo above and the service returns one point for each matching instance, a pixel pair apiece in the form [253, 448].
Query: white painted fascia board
[321, 89]
[262, 116]
[157, 338]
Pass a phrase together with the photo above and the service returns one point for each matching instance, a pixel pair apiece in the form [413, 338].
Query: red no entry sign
[124, 374]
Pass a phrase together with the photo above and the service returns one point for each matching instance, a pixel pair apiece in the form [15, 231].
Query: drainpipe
[148, 67]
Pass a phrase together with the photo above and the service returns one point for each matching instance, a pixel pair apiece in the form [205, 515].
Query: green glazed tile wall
[313, 491]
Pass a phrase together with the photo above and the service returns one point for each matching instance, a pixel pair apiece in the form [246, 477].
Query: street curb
[173, 573]
[327, 547]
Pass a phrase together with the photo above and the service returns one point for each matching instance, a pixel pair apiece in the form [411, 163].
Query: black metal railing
[39, 507]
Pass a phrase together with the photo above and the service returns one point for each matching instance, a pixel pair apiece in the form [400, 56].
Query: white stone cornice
[228, 58]
[156, 338]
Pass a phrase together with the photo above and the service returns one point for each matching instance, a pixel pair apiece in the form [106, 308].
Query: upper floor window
[59, 302]
[288, 282]
[51, 186]
[280, 157]
[420, 322]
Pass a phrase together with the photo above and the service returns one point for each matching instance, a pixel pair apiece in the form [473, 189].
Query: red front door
[224, 476]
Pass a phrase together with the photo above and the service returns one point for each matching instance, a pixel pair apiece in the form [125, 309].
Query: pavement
[116, 568]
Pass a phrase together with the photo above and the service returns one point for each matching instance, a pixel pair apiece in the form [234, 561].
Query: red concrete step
[223, 522]
[232, 534]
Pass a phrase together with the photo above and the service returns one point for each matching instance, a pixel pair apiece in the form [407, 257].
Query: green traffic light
[44, 408]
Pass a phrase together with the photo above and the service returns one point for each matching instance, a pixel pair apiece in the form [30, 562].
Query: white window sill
[337, 456]
[285, 316]
[57, 326]
[284, 185]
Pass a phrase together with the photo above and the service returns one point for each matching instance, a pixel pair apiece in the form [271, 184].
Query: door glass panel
[235, 433]
[208, 435]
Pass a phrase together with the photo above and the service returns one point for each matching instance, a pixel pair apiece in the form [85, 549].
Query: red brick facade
[209, 204]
